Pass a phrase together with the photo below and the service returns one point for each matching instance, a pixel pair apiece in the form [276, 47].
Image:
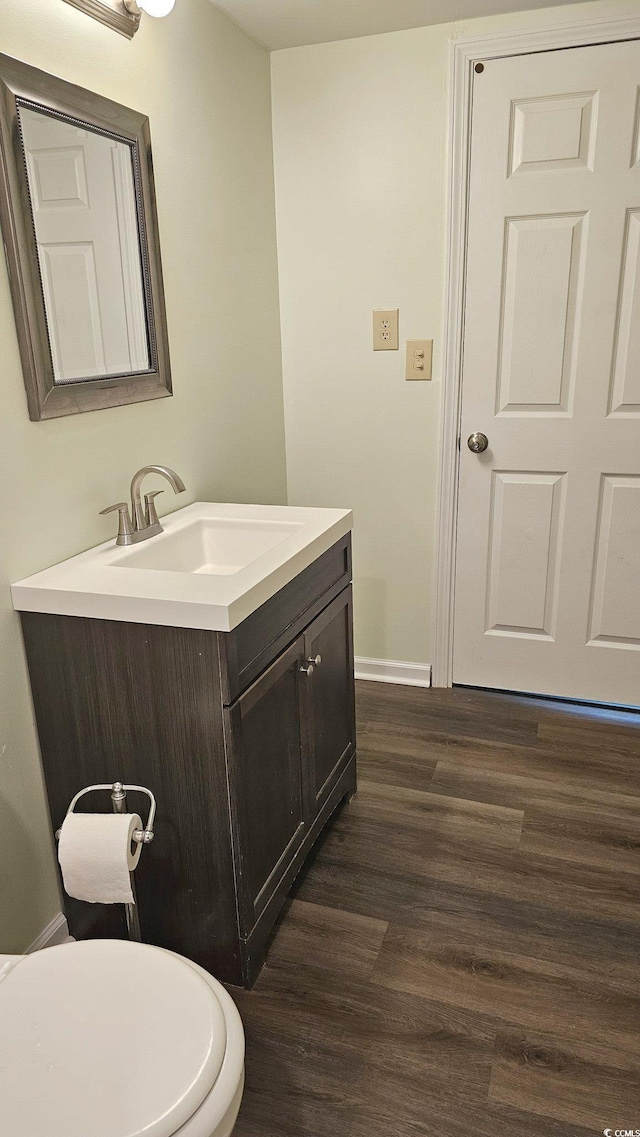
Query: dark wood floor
[462, 954]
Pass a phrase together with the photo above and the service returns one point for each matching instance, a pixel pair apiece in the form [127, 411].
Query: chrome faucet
[143, 521]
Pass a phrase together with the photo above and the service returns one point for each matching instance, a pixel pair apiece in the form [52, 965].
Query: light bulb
[155, 7]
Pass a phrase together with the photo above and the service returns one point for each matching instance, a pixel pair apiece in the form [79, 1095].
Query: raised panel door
[327, 699]
[264, 745]
[547, 595]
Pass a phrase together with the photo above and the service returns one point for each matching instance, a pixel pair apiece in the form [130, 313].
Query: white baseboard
[393, 671]
[56, 932]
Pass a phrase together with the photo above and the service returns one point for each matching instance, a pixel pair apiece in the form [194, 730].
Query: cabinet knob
[309, 669]
[317, 659]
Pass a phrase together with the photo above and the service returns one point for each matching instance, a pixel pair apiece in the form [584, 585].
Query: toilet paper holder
[118, 792]
[118, 799]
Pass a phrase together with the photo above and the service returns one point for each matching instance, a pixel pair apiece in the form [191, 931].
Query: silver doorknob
[477, 442]
[312, 663]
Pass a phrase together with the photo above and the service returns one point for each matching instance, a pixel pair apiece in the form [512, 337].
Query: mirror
[84, 211]
[80, 232]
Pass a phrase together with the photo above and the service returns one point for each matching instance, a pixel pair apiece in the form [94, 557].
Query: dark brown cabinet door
[328, 700]
[264, 753]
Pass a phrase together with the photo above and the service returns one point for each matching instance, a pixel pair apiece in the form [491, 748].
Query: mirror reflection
[85, 215]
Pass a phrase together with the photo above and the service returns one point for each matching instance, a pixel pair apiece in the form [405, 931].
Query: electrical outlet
[419, 357]
[385, 329]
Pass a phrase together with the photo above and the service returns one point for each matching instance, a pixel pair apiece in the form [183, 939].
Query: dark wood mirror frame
[21, 85]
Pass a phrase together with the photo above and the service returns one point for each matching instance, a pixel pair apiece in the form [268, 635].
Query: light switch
[419, 357]
[385, 329]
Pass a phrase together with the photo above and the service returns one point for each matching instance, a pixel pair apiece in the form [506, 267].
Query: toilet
[107, 1038]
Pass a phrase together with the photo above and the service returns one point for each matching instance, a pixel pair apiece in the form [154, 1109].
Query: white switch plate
[385, 329]
[419, 357]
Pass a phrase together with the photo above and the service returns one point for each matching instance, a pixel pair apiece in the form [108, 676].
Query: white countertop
[99, 584]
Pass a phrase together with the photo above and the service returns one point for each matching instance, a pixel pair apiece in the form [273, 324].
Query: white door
[547, 595]
[84, 211]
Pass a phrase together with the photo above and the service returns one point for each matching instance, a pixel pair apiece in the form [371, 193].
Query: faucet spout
[139, 517]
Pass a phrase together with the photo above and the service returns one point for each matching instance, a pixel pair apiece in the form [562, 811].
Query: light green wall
[205, 87]
[361, 184]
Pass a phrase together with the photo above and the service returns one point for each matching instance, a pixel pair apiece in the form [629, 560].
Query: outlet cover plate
[385, 329]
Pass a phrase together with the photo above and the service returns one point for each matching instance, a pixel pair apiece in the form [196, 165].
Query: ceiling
[292, 23]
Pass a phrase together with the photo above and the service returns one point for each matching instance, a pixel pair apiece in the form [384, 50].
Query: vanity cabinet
[290, 738]
[247, 739]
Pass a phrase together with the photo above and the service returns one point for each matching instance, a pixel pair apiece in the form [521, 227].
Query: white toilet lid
[105, 1038]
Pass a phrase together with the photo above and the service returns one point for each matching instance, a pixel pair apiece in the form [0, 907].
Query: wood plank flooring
[462, 952]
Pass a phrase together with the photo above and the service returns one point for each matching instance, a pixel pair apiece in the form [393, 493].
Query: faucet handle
[150, 507]
[125, 528]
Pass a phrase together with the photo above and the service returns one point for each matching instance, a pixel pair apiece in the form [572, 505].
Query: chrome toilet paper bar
[118, 791]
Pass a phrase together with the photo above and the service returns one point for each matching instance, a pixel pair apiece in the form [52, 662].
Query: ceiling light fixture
[151, 7]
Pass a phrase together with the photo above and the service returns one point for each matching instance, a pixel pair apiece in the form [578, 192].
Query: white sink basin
[211, 568]
[213, 545]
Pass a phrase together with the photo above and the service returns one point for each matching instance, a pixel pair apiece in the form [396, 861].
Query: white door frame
[464, 53]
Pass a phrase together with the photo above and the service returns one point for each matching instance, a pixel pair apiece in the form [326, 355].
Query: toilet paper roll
[96, 856]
